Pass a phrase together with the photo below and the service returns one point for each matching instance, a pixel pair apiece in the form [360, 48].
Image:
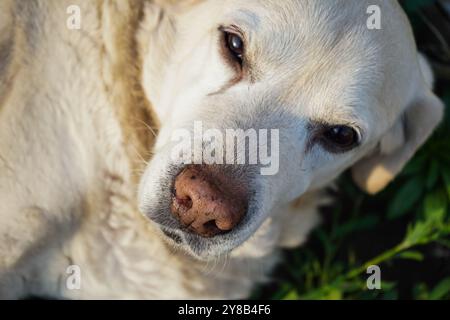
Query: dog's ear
[398, 146]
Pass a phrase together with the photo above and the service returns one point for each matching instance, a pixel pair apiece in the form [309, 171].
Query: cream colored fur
[71, 102]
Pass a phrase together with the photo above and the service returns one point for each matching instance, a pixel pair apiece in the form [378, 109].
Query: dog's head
[310, 86]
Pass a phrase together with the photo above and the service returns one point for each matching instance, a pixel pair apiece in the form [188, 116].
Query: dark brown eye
[235, 45]
[340, 138]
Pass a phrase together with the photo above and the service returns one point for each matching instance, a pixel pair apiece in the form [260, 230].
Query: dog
[93, 203]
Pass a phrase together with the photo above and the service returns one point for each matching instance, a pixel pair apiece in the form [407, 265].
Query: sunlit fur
[79, 112]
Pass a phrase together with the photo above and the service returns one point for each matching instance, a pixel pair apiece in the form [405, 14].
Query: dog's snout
[207, 201]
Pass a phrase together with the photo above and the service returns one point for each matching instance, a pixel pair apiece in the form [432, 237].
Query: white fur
[66, 192]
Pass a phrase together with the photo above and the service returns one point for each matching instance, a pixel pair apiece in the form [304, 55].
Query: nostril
[181, 205]
[211, 228]
[186, 202]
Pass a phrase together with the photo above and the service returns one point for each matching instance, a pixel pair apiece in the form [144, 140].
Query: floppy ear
[374, 173]
[398, 146]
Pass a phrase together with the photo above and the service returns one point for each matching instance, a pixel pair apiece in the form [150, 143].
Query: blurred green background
[405, 229]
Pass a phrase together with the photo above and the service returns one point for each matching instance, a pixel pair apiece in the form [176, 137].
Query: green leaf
[441, 290]
[334, 294]
[390, 295]
[388, 286]
[284, 291]
[355, 225]
[405, 199]
[446, 176]
[411, 255]
[433, 175]
[436, 206]
[444, 242]
[326, 241]
[420, 291]
[418, 233]
[416, 165]
[292, 295]
[415, 5]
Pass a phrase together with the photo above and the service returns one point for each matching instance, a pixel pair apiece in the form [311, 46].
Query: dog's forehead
[296, 20]
[296, 33]
[320, 55]
[323, 51]
[319, 49]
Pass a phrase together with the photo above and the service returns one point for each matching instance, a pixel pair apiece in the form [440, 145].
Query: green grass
[405, 230]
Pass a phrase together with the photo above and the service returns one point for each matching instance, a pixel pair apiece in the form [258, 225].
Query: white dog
[80, 108]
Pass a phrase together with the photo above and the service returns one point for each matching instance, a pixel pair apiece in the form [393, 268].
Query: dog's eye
[235, 46]
[340, 138]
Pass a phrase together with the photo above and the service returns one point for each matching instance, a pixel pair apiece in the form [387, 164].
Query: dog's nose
[207, 201]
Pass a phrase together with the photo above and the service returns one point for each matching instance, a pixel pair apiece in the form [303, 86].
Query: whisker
[148, 127]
